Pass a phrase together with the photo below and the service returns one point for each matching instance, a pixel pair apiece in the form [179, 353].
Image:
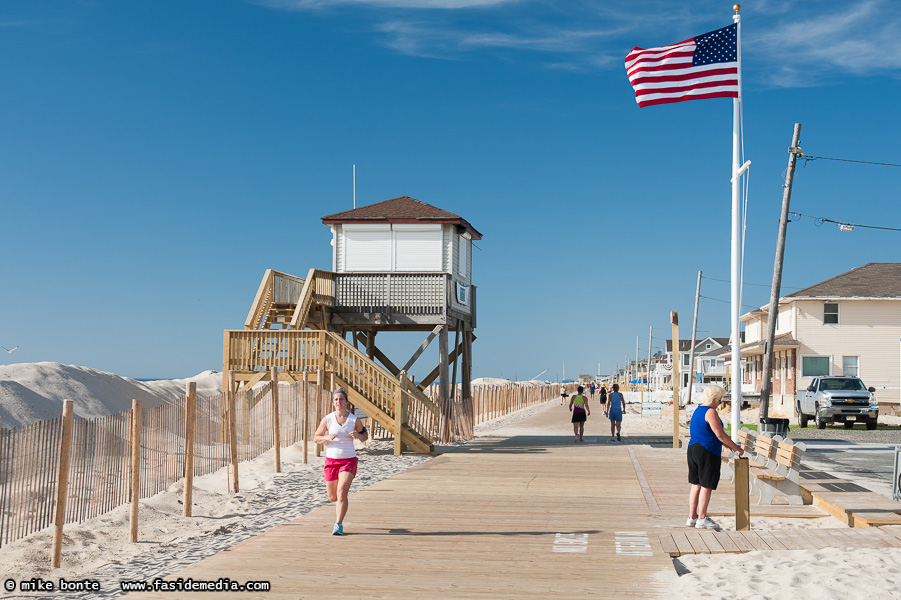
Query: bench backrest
[746, 440]
[764, 446]
[788, 455]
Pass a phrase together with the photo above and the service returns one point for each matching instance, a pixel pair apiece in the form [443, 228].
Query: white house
[847, 325]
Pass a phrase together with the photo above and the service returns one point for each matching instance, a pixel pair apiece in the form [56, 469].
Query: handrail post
[742, 501]
[62, 482]
[190, 398]
[399, 414]
[306, 415]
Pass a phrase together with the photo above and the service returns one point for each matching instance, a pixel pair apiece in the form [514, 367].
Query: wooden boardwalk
[531, 515]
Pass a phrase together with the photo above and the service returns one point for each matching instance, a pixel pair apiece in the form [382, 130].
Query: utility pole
[793, 154]
[691, 352]
[650, 340]
[674, 319]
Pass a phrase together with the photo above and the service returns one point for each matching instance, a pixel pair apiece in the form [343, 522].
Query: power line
[746, 283]
[818, 221]
[807, 159]
[729, 302]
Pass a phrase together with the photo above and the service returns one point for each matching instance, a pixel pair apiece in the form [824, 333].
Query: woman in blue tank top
[704, 449]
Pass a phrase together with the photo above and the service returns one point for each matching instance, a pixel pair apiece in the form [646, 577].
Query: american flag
[702, 67]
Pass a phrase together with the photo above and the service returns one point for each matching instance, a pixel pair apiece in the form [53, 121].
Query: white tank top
[343, 445]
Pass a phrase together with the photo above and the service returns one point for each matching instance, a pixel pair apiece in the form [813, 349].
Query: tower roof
[400, 210]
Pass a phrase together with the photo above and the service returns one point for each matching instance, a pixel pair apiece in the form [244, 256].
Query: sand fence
[68, 469]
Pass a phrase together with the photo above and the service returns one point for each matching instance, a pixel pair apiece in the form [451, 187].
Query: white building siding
[868, 329]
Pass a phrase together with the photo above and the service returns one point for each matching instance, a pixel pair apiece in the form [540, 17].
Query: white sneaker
[705, 523]
[690, 522]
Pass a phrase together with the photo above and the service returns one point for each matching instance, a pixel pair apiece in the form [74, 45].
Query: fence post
[306, 415]
[135, 466]
[190, 398]
[276, 437]
[320, 380]
[62, 483]
[232, 430]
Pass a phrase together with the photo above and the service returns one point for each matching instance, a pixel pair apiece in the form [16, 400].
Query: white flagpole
[736, 375]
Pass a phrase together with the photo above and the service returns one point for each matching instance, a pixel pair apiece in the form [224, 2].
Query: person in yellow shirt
[578, 405]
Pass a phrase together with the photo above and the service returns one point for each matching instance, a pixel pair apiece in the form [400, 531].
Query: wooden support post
[62, 483]
[466, 382]
[424, 345]
[135, 466]
[305, 396]
[444, 405]
[190, 400]
[276, 435]
[320, 380]
[742, 502]
[674, 318]
[399, 415]
[370, 345]
[232, 430]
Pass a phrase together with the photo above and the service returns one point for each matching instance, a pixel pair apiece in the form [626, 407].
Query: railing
[405, 293]
[276, 288]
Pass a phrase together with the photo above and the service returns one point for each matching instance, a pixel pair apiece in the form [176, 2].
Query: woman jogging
[578, 405]
[704, 449]
[615, 409]
[604, 399]
[563, 395]
[339, 429]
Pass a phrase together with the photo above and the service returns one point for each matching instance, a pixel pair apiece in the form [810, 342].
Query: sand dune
[31, 392]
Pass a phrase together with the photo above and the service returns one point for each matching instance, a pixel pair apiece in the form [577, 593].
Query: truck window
[855, 385]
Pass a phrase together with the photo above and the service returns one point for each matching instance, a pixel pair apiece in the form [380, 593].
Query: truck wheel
[848, 424]
[871, 425]
[802, 419]
[820, 421]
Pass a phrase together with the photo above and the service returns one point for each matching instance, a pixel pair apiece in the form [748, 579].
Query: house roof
[872, 280]
[400, 210]
[685, 345]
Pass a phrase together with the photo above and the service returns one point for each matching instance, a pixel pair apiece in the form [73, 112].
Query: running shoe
[690, 522]
[619, 438]
[705, 523]
[613, 439]
[338, 530]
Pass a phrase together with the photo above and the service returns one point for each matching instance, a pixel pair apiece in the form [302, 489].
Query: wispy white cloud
[412, 4]
[858, 39]
[786, 43]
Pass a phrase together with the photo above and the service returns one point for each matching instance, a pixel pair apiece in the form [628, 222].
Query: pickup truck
[843, 400]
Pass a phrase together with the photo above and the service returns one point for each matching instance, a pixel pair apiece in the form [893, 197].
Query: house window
[850, 366]
[462, 256]
[814, 366]
[712, 363]
[830, 313]
[708, 347]
[685, 358]
[788, 366]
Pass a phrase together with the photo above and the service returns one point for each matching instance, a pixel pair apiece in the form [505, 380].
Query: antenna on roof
[355, 186]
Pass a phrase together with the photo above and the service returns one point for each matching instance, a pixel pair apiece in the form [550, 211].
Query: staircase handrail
[315, 279]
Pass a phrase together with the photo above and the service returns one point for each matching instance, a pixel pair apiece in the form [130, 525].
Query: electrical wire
[768, 285]
[807, 159]
[818, 221]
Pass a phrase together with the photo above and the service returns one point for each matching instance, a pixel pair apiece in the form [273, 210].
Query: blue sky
[157, 157]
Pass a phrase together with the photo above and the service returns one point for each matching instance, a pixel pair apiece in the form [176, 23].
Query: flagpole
[735, 375]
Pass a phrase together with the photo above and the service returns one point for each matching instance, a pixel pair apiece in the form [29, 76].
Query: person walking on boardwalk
[603, 399]
[615, 409]
[339, 429]
[704, 450]
[578, 405]
[563, 395]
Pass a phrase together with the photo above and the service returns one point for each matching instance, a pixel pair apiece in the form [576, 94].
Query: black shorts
[579, 416]
[603, 399]
[703, 467]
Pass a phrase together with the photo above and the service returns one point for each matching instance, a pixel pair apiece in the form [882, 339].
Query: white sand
[31, 392]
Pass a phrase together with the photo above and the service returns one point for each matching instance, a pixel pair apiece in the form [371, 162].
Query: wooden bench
[779, 476]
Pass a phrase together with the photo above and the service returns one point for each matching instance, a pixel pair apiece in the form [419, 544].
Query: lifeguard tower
[397, 265]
